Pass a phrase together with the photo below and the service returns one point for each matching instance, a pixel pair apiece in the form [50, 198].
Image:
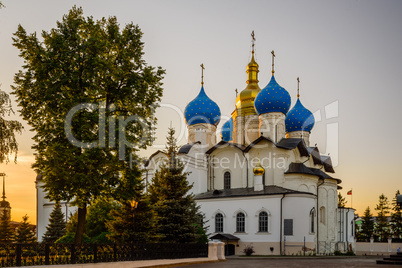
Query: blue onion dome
[202, 110]
[272, 98]
[227, 130]
[299, 119]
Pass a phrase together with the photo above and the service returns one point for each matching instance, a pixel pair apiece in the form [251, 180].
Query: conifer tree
[24, 233]
[176, 211]
[6, 230]
[57, 225]
[341, 201]
[382, 227]
[367, 228]
[396, 218]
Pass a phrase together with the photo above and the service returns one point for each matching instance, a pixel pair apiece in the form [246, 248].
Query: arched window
[218, 223]
[240, 222]
[263, 222]
[226, 180]
[312, 215]
[322, 215]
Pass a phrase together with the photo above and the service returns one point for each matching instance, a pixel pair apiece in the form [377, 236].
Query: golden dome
[245, 100]
[258, 169]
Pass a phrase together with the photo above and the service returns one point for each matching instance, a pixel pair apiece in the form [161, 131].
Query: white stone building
[262, 184]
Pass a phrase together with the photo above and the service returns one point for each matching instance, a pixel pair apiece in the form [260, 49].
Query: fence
[46, 254]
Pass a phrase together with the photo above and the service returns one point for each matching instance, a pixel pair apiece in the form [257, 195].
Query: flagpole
[351, 198]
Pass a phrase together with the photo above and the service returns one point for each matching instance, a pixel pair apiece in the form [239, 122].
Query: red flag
[349, 192]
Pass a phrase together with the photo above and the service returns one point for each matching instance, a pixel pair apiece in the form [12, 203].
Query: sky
[347, 54]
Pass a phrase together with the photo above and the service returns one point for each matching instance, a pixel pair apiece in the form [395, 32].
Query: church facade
[263, 184]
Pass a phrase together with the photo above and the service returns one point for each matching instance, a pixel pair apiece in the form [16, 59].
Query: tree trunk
[79, 232]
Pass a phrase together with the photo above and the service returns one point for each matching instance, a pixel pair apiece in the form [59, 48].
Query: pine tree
[367, 228]
[176, 210]
[341, 201]
[133, 222]
[24, 233]
[57, 225]
[396, 218]
[6, 230]
[382, 227]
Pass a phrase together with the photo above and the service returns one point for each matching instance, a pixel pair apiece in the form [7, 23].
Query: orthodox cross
[236, 91]
[202, 73]
[298, 84]
[252, 40]
[273, 59]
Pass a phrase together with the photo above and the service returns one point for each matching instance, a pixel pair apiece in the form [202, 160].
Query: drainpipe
[280, 232]
[318, 212]
[346, 230]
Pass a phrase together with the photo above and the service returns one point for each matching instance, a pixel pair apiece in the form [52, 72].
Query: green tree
[176, 211]
[396, 218]
[6, 229]
[97, 68]
[134, 222]
[8, 129]
[341, 201]
[56, 227]
[383, 209]
[24, 232]
[367, 227]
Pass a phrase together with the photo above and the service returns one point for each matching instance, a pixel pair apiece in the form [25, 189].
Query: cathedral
[263, 184]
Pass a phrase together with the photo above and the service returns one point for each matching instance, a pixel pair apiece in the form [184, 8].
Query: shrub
[248, 250]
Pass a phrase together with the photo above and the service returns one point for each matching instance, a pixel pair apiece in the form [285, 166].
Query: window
[312, 215]
[288, 227]
[226, 180]
[322, 215]
[240, 222]
[218, 223]
[263, 222]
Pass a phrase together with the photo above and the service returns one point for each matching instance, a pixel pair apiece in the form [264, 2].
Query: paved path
[240, 262]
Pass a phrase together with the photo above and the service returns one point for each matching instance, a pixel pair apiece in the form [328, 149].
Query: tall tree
[24, 232]
[6, 230]
[90, 98]
[341, 201]
[56, 227]
[367, 228]
[383, 209]
[176, 211]
[396, 218]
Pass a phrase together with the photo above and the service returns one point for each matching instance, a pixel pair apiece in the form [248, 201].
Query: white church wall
[294, 207]
[44, 208]
[231, 160]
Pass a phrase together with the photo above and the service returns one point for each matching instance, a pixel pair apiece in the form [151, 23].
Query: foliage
[69, 238]
[396, 218]
[98, 215]
[367, 228]
[382, 226]
[57, 225]
[248, 250]
[24, 232]
[176, 210]
[102, 238]
[341, 201]
[8, 129]
[93, 62]
[134, 222]
[6, 230]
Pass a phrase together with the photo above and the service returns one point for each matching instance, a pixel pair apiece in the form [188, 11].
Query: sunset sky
[347, 54]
